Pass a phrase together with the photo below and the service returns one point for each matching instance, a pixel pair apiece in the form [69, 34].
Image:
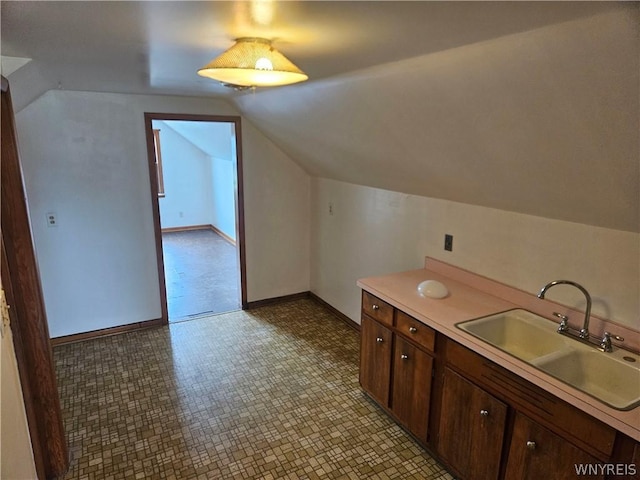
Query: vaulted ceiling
[522, 106]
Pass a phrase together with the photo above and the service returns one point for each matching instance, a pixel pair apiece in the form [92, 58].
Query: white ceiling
[523, 106]
[157, 46]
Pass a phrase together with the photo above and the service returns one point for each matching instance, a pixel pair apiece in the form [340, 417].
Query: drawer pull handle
[484, 413]
[404, 357]
[531, 445]
[413, 329]
[375, 307]
[379, 340]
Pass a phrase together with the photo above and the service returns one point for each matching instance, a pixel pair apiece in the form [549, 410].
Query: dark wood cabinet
[375, 360]
[481, 420]
[396, 363]
[536, 453]
[411, 387]
[472, 428]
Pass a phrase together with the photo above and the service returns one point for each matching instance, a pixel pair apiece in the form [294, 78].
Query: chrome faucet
[584, 332]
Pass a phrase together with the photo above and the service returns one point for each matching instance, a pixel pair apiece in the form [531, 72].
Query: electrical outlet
[448, 242]
[52, 219]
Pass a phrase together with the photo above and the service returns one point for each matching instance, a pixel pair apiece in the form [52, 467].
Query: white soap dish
[432, 289]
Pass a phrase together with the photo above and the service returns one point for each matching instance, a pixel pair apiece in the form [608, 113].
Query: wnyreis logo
[610, 469]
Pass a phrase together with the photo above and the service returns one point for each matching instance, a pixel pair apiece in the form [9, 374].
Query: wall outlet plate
[448, 242]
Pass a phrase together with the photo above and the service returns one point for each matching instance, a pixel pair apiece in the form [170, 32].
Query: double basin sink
[612, 378]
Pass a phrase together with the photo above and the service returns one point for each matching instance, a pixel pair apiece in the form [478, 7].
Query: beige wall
[374, 232]
[84, 158]
[16, 457]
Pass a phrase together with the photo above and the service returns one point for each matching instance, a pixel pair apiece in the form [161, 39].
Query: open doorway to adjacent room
[195, 167]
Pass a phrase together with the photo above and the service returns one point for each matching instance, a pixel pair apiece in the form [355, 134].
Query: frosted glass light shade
[253, 62]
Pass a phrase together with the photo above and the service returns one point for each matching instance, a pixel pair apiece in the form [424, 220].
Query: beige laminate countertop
[466, 302]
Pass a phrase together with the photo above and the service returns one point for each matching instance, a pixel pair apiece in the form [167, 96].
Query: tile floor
[270, 393]
[201, 273]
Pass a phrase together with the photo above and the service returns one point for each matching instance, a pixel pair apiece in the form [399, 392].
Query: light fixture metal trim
[253, 62]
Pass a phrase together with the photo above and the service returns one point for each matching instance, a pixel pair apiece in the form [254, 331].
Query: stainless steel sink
[612, 378]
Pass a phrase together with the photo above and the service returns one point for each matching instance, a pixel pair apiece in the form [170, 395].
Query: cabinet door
[411, 387]
[472, 426]
[538, 453]
[375, 360]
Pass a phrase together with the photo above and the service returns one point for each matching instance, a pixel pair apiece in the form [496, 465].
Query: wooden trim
[27, 391]
[223, 235]
[158, 159]
[275, 300]
[155, 208]
[28, 318]
[240, 230]
[350, 323]
[240, 239]
[106, 332]
[187, 228]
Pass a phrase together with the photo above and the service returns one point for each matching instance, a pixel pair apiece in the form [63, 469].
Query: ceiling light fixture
[252, 62]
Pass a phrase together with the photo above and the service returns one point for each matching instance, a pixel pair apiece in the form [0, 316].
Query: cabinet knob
[484, 413]
[413, 329]
[531, 445]
[404, 357]
[375, 307]
[379, 340]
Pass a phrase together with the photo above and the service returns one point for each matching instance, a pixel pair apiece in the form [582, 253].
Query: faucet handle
[605, 344]
[563, 327]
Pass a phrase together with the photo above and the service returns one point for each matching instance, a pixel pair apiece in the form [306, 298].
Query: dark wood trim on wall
[350, 323]
[274, 300]
[105, 332]
[21, 279]
[310, 295]
[240, 240]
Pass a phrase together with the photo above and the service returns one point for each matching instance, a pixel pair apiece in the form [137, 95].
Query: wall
[374, 232]
[271, 182]
[84, 157]
[16, 457]
[224, 192]
[187, 172]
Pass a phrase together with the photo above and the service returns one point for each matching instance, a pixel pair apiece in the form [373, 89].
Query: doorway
[195, 171]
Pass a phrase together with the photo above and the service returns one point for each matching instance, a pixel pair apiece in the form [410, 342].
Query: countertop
[468, 299]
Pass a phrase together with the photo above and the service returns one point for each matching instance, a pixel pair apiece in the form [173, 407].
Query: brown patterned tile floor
[270, 393]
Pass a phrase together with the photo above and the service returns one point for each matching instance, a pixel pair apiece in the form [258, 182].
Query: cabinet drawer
[586, 432]
[415, 330]
[377, 309]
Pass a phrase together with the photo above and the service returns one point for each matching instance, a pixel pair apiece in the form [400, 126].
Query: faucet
[584, 332]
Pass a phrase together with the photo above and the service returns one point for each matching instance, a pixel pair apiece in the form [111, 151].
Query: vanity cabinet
[535, 450]
[481, 420]
[471, 430]
[411, 387]
[396, 363]
[545, 436]
[375, 360]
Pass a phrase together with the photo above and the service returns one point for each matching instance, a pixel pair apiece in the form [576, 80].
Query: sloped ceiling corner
[543, 122]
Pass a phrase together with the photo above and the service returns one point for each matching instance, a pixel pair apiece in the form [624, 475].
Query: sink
[605, 376]
[612, 378]
[519, 332]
